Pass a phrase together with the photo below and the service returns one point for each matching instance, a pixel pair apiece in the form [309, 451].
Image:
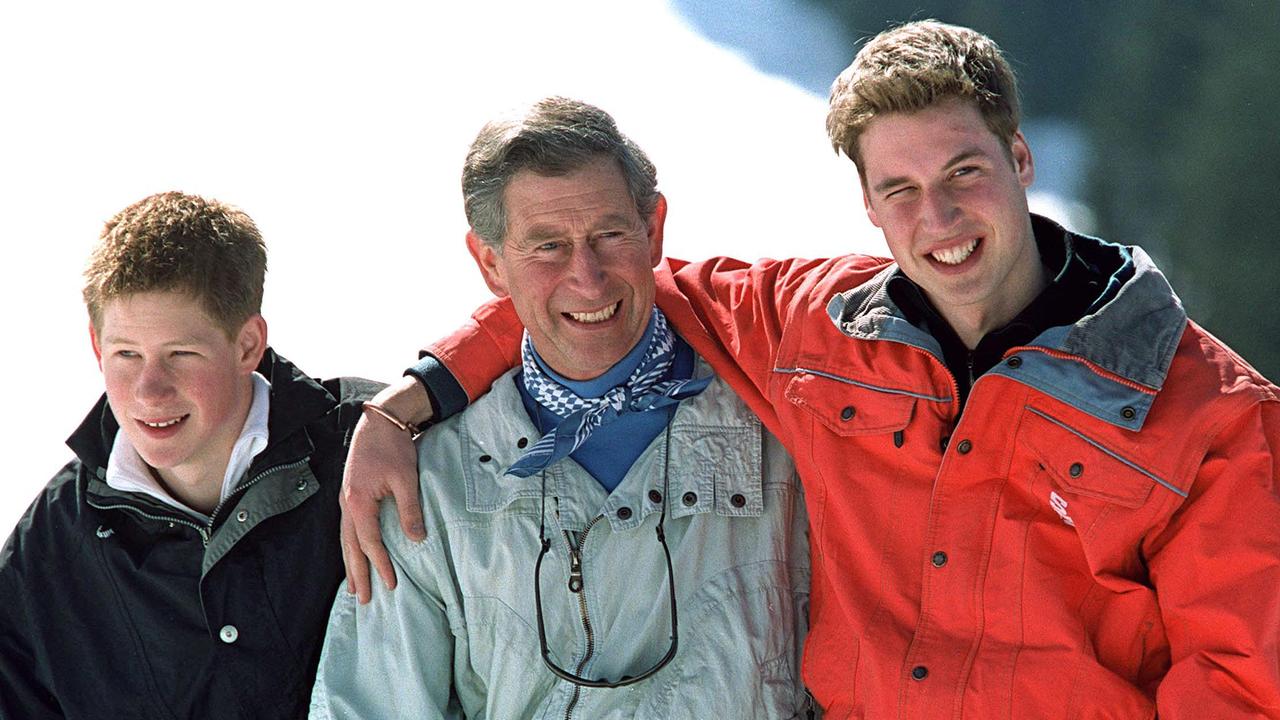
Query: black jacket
[113, 605]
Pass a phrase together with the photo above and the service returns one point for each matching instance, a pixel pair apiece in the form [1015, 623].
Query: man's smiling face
[177, 384]
[951, 199]
[577, 261]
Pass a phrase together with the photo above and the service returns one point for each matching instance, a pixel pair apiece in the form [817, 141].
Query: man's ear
[866, 200]
[1023, 164]
[93, 340]
[656, 222]
[251, 343]
[487, 259]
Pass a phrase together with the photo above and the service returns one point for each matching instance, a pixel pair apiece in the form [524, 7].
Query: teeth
[597, 316]
[955, 255]
[164, 424]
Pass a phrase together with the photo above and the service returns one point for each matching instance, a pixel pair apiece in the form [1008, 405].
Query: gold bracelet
[378, 409]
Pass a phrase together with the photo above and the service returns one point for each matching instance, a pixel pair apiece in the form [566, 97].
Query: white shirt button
[229, 634]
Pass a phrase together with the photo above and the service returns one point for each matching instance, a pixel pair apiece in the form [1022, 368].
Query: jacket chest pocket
[1086, 484]
[849, 408]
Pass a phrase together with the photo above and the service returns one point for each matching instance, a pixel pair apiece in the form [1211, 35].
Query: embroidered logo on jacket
[1060, 506]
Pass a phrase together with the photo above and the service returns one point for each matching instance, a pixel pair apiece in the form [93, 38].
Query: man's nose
[586, 267]
[940, 210]
[155, 382]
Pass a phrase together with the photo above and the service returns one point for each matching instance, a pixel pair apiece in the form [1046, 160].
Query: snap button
[624, 513]
[302, 485]
[944, 442]
[522, 443]
[964, 447]
[847, 413]
[655, 497]
[1076, 469]
[485, 458]
[229, 634]
[939, 559]
[738, 500]
[689, 499]
[1128, 413]
[1014, 362]
[919, 672]
[242, 516]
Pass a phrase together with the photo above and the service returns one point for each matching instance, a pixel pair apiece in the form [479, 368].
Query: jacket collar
[1129, 340]
[711, 452]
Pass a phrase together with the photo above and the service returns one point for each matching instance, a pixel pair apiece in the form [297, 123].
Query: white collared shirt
[128, 472]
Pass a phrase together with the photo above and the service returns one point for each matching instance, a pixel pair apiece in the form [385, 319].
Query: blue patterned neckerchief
[641, 392]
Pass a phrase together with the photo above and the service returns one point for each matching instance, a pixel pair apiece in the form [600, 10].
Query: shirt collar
[128, 472]
[1075, 285]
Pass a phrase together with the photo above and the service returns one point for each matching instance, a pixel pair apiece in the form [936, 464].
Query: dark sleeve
[351, 392]
[25, 690]
[446, 393]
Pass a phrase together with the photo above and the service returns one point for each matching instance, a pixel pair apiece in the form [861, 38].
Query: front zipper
[575, 578]
[242, 487]
[205, 530]
[171, 519]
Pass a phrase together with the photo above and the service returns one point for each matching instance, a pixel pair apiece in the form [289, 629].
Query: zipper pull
[575, 572]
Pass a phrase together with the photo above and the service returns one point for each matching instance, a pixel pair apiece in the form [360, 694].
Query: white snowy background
[341, 129]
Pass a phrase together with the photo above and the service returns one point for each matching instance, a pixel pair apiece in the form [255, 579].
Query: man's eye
[548, 247]
[964, 171]
[126, 354]
[899, 193]
[185, 353]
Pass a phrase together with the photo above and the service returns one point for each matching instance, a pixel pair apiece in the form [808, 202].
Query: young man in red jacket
[1036, 489]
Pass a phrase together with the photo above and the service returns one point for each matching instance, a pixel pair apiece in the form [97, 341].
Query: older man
[1037, 489]
[611, 533]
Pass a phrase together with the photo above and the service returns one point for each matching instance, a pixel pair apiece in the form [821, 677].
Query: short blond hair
[914, 66]
[174, 241]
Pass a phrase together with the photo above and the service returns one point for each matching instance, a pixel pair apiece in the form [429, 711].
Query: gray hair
[554, 136]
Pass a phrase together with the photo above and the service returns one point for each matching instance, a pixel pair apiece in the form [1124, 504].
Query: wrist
[407, 401]
[371, 408]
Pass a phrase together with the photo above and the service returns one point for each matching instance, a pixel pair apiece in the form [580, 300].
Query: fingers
[369, 538]
[354, 561]
[381, 462]
[403, 483]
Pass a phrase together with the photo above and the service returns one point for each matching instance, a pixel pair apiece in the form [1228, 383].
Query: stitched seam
[868, 386]
[1163, 483]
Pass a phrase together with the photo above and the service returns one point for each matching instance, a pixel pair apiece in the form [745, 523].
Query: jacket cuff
[445, 392]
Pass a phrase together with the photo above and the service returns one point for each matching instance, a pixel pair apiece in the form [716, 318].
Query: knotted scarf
[642, 392]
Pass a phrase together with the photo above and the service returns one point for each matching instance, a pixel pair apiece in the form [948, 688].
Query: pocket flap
[850, 409]
[1082, 465]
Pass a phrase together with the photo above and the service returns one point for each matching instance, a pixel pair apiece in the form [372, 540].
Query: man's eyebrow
[888, 183]
[965, 154]
[185, 340]
[540, 233]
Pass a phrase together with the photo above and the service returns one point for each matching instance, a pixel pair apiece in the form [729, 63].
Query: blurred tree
[1180, 102]
[1187, 117]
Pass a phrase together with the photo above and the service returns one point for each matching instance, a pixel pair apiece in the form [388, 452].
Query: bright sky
[342, 132]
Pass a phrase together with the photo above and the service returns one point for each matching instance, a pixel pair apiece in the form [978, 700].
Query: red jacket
[1098, 535]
